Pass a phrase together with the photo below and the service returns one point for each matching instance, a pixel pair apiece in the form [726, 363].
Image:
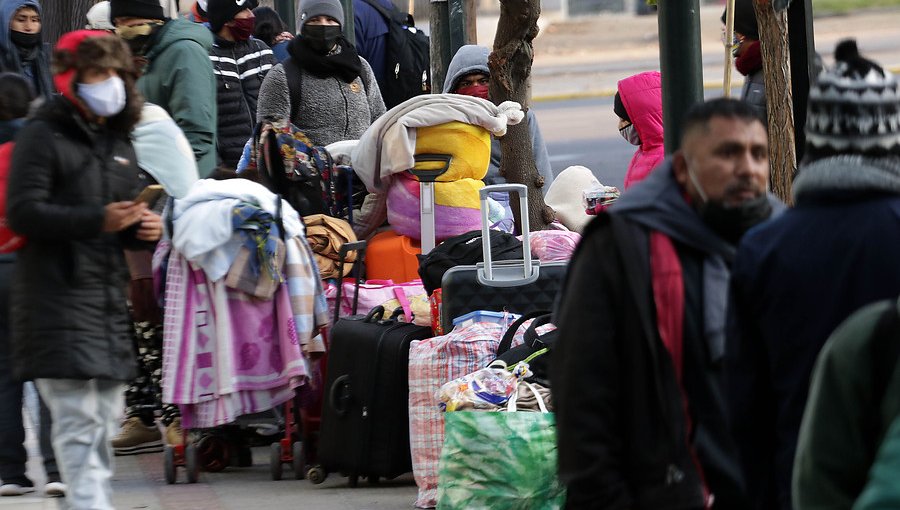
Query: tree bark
[61, 16]
[776, 57]
[510, 65]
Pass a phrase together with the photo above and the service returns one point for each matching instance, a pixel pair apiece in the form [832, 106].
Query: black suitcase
[365, 420]
[519, 286]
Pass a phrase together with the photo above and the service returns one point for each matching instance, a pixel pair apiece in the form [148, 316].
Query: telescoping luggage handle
[427, 178]
[505, 274]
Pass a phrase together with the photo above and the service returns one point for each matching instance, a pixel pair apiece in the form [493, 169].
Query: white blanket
[203, 222]
[388, 146]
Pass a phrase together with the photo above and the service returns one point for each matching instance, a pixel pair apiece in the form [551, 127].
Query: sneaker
[174, 435]
[136, 438]
[55, 490]
[14, 489]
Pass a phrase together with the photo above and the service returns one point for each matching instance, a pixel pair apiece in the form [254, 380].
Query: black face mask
[321, 38]
[25, 40]
[732, 222]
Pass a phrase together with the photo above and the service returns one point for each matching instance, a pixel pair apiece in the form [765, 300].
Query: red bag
[9, 240]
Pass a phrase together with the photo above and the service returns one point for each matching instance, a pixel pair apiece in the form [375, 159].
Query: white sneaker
[14, 489]
[55, 490]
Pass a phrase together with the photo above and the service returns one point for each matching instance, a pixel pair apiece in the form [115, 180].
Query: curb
[591, 94]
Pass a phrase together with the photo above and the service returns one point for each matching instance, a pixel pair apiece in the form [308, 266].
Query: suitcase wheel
[169, 464]
[191, 464]
[298, 462]
[275, 465]
[316, 475]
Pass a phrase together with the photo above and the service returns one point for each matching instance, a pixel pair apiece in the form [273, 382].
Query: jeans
[13, 455]
[85, 417]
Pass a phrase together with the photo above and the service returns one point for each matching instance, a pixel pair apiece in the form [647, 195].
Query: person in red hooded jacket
[638, 103]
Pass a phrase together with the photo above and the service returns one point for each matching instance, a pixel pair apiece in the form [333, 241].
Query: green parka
[179, 77]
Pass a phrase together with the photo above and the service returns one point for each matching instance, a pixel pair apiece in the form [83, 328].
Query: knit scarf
[342, 62]
[750, 60]
[848, 173]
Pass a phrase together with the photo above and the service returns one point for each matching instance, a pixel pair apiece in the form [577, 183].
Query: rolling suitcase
[365, 420]
[519, 286]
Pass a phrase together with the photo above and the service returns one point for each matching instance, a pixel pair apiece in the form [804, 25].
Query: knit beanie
[619, 108]
[82, 49]
[312, 8]
[219, 12]
[149, 9]
[744, 19]
[854, 108]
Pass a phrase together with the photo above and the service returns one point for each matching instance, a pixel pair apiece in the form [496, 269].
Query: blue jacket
[795, 279]
[36, 65]
[371, 32]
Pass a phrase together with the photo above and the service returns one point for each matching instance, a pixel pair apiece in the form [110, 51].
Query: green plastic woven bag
[499, 461]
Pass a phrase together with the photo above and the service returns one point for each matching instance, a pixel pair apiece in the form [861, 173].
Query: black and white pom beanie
[854, 109]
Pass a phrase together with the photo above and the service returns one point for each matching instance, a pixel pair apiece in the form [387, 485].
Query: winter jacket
[371, 32]
[473, 59]
[332, 110]
[754, 93]
[854, 397]
[239, 68]
[179, 77]
[33, 64]
[642, 96]
[69, 315]
[882, 490]
[795, 279]
[620, 408]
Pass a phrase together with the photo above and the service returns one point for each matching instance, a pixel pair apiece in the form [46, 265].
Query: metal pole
[285, 9]
[803, 55]
[349, 22]
[440, 43]
[680, 64]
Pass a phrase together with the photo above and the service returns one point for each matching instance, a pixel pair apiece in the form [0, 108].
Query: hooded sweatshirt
[474, 59]
[642, 96]
[34, 64]
[179, 78]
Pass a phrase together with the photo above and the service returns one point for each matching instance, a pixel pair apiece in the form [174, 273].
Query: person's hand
[121, 215]
[151, 226]
[284, 36]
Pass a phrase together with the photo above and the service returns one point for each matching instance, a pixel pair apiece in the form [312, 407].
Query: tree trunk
[61, 16]
[510, 65]
[776, 59]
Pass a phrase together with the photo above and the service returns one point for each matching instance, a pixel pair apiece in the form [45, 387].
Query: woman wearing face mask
[338, 95]
[21, 49]
[73, 176]
[638, 103]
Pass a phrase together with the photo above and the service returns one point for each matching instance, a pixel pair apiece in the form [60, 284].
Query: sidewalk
[586, 56]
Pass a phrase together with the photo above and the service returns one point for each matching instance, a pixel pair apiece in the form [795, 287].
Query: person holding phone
[73, 179]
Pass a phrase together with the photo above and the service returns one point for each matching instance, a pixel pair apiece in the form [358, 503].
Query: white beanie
[565, 196]
[98, 17]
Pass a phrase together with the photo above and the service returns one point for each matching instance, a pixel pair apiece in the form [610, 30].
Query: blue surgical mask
[630, 134]
[106, 98]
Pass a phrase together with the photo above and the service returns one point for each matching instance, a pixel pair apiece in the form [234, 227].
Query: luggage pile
[388, 323]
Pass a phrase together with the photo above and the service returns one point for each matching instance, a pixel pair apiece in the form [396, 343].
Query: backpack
[407, 57]
[295, 85]
[9, 240]
[465, 249]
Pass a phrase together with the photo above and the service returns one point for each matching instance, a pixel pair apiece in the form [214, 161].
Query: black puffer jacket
[239, 68]
[69, 315]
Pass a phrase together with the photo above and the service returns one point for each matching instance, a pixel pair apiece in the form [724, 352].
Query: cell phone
[150, 194]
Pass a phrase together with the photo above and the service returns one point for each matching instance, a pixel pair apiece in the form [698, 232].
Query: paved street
[577, 64]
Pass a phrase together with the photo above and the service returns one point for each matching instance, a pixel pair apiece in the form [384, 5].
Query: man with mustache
[797, 278]
[637, 367]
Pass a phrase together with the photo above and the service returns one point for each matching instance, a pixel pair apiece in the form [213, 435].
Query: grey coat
[331, 111]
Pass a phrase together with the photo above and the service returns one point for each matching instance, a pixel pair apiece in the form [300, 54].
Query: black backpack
[407, 69]
[465, 249]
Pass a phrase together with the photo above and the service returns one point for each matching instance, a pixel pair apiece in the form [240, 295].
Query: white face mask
[105, 98]
[630, 134]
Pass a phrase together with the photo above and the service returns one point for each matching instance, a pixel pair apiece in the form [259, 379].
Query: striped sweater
[239, 68]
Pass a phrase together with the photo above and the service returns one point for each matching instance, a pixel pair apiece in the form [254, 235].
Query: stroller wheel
[275, 466]
[299, 460]
[190, 463]
[169, 464]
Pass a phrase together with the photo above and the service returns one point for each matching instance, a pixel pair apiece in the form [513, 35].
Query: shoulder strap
[294, 82]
